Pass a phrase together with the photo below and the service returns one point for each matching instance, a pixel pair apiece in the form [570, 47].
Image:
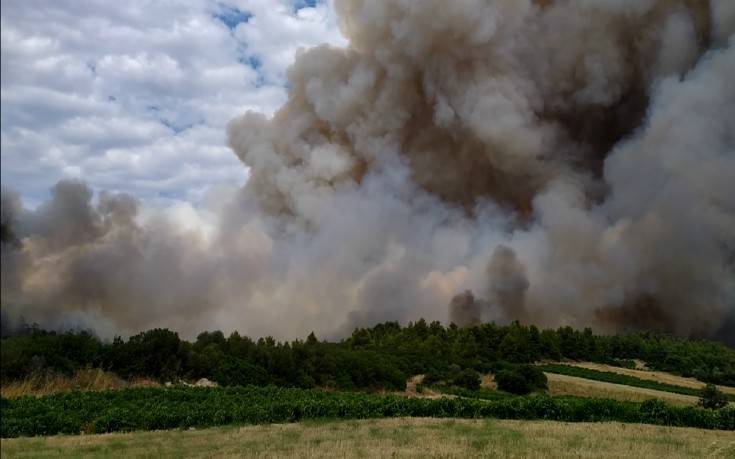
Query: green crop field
[167, 408]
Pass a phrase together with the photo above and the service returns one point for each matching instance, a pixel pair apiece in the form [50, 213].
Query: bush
[534, 376]
[433, 377]
[512, 381]
[623, 363]
[236, 372]
[520, 379]
[712, 398]
[468, 379]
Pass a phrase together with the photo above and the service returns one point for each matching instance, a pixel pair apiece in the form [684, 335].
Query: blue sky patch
[299, 4]
[231, 16]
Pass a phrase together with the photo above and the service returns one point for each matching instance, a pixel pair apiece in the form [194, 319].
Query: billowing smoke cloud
[465, 310]
[569, 162]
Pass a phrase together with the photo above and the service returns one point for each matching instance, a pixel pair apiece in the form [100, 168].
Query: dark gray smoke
[570, 162]
[465, 310]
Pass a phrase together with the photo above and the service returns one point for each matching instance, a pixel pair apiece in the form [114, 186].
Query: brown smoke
[571, 162]
[465, 310]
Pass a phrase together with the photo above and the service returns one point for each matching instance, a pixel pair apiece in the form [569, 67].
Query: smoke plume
[570, 162]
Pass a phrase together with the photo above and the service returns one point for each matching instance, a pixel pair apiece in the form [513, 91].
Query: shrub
[520, 379]
[534, 376]
[236, 372]
[433, 376]
[623, 363]
[512, 381]
[468, 379]
[712, 398]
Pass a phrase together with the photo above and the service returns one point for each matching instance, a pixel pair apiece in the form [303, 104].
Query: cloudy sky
[134, 96]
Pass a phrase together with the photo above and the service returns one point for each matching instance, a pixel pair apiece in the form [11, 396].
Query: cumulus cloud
[558, 162]
[135, 96]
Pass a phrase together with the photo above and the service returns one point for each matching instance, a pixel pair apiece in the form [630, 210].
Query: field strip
[573, 385]
[658, 376]
[623, 379]
[398, 437]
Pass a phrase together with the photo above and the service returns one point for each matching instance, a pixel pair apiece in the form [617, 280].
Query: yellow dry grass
[658, 376]
[398, 437]
[413, 391]
[83, 380]
[488, 381]
[571, 385]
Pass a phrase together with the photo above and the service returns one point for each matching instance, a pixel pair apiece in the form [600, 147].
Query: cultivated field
[572, 385]
[658, 376]
[398, 437]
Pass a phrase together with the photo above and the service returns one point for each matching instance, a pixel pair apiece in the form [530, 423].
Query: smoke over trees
[567, 162]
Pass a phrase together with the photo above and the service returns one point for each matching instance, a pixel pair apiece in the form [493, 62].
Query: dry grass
[571, 385]
[399, 437]
[658, 376]
[488, 382]
[412, 389]
[83, 380]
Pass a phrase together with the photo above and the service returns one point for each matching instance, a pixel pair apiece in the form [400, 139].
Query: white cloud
[134, 96]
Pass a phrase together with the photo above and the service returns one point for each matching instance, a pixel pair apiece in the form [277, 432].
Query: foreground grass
[398, 437]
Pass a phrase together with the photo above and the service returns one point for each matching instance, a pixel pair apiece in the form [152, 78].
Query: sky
[134, 96]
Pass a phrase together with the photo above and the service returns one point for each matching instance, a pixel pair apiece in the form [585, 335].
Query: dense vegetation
[712, 398]
[379, 357]
[164, 408]
[520, 379]
[617, 378]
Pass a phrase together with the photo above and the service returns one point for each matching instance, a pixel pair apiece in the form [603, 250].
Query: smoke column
[567, 162]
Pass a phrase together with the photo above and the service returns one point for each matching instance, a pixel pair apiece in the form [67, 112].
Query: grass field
[658, 376]
[94, 380]
[398, 437]
[573, 385]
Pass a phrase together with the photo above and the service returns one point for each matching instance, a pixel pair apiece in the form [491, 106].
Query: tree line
[379, 357]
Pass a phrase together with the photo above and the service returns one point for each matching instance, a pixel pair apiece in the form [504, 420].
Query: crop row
[617, 378]
[167, 408]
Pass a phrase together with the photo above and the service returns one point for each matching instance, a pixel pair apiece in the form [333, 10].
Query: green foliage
[617, 378]
[381, 357]
[712, 398]
[467, 379]
[160, 408]
[535, 377]
[236, 372]
[519, 379]
[512, 381]
[482, 393]
[623, 363]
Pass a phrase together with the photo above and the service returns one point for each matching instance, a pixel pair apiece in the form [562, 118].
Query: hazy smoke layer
[569, 162]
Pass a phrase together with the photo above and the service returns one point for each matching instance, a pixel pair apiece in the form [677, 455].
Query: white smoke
[570, 162]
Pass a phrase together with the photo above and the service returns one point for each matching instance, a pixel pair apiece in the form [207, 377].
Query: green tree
[712, 398]
[468, 379]
[512, 381]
